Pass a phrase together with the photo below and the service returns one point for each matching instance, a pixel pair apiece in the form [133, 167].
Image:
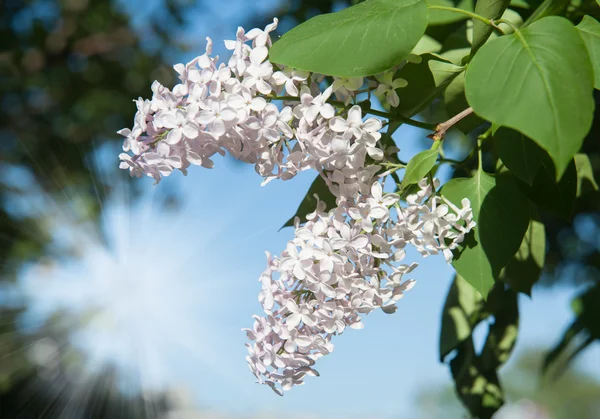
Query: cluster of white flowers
[228, 108]
[341, 263]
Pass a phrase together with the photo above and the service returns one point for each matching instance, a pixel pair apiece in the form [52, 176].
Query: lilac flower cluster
[228, 108]
[342, 263]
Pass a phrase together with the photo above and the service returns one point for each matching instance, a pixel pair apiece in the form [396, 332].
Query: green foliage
[520, 3]
[550, 195]
[586, 182]
[523, 76]
[361, 40]
[426, 81]
[462, 311]
[525, 267]
[520, 155]
[442, 17]
[457, 55]
[548, 8]
[426, 45]
[455, 101]
[589, 29]
[491, 9]
[475, 374]
[574, 395]
[502, 216]
[419, 166]
[537, 81]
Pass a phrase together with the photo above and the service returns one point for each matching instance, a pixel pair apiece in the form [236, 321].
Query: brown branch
[441, 129]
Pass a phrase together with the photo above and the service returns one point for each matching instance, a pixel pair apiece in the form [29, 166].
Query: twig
[467, 13]
[441, 129]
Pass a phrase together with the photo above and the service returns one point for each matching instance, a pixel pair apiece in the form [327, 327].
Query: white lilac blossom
[388, 86]
[341, 264]
[224, 108]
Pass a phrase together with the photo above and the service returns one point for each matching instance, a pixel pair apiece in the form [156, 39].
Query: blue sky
[174, 288]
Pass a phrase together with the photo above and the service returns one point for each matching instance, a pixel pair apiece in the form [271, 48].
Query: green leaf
[557, 198]
[511, 16]
[426, 45]
[520, 3]
[460, 315]
[538, 81]
[491, 9]
[309, 203]
[418, 167]
[443, 71]
[508, 15]
[502, 334]
[361, 40]
[548, 8]
[589, 29]
[426, 80]
[456, 102]
[585, 175]
[456, 39]
[477, 387]
[475, 374]
[525, 268]
[502, 216]
[519, 154]
[495, 128]
[443, 17]
[456, 56]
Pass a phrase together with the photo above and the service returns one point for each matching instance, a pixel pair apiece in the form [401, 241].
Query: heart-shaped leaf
[361, 40]
[502, 216]
[538, 81]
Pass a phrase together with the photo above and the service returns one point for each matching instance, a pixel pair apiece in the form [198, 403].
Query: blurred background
[124, 299]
